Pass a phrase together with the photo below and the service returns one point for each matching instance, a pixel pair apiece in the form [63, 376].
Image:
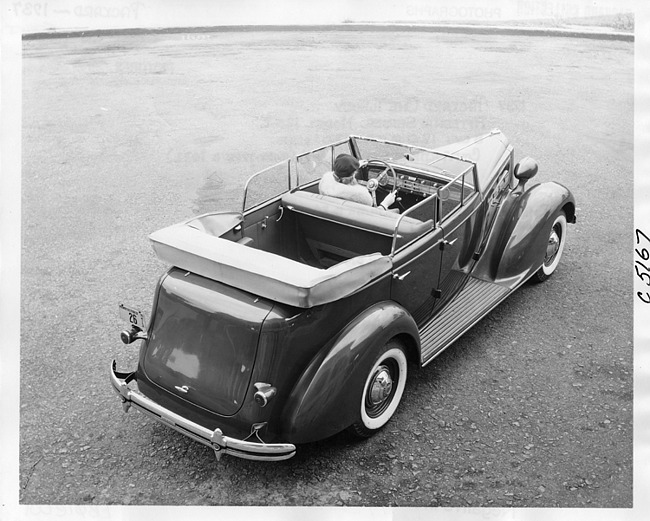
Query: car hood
[484, 150]
[203, 341]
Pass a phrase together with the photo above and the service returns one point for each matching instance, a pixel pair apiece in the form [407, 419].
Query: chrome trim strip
[212, 438]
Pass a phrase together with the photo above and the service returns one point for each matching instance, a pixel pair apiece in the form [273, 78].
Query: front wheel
[382, 390]
[554, 249]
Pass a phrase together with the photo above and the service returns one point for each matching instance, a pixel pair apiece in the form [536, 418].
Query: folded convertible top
[262, 273]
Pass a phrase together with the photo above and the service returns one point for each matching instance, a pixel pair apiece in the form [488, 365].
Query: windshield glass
[313, 164]
[267, 184]
[442, 165]
[290, 173]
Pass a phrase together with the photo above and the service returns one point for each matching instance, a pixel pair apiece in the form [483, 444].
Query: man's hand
[388, 200]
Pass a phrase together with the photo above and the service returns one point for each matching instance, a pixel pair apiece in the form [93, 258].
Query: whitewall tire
[554, 249]
[382, 390]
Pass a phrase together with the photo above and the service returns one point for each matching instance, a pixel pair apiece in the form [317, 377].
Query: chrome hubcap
[380, 387]
[552, 247]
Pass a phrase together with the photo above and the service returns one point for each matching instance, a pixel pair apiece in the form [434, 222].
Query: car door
[461, 234]
[466, 226]
[416, 271]
[429, 272]
[494, 192]
[443, 267]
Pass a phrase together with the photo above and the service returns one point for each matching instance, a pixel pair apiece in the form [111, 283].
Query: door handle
[446, 243]
[397, 276]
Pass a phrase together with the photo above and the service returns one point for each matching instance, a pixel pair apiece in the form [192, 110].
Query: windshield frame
[424, 168]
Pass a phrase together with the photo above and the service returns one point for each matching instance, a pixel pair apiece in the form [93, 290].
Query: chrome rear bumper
[212, 438]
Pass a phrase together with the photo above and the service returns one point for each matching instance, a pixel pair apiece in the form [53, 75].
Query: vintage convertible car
[298, 315]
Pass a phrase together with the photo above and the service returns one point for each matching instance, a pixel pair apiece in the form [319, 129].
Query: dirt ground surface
[125, 135]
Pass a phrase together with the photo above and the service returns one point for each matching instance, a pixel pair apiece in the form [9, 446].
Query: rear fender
[324, 401]
[517, 244]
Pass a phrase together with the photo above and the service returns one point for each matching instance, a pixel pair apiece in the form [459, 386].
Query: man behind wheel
[343, 184]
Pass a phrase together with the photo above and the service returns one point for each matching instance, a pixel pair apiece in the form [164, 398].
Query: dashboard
[416, 185]
[406, 183]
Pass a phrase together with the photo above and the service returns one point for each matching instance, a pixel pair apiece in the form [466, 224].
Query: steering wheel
[381, 179]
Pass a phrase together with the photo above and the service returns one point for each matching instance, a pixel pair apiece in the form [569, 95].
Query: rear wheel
[382, 390]
[554, 249]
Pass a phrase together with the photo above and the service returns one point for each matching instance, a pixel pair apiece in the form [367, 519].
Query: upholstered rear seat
[354, 214]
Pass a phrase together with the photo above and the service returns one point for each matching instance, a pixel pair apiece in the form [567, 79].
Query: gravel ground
[125, 135]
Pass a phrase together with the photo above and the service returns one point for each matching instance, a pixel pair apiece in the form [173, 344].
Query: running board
[473, 302]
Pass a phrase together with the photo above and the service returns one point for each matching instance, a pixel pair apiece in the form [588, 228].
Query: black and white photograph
[342, 259]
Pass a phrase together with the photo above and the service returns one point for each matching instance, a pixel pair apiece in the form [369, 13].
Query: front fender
[518, 240]
[325, 399]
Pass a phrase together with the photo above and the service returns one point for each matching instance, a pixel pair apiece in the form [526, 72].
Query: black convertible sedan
[299, 314]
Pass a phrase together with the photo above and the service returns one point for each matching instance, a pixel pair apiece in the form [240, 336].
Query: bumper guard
[212, 438]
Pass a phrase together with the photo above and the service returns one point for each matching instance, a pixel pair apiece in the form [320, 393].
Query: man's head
[345, 166]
